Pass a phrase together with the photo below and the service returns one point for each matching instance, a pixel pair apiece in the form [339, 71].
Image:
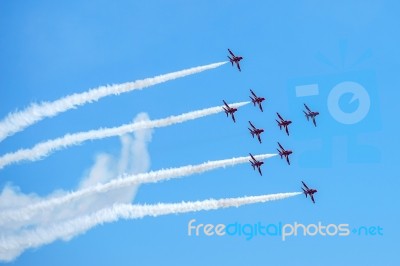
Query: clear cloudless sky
[49, 49]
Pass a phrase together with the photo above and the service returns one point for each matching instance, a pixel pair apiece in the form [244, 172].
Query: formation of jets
[282, 123]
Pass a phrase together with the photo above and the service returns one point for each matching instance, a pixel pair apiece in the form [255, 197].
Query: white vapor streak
[45, 148]
[12, 246]
[17, 121]
[26, 213]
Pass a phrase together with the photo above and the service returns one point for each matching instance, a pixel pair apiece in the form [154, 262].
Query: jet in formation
[283, 123]
[284, 153]
[255, 163]
[229, 111]
[256, 100]
[234, 59]
[255, 131]
[309, 191]
[310, 114]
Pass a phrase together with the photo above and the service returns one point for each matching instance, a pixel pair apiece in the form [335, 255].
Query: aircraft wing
[251, 124]
[259, 104]
[233, 117]
[252, 157]
[280, 117]
[226, 104]
[252, 92]
[259, 138]
[312, 198]
[287, 159]
[259, 170]
[304, 184]
[229, 50]
[238, 66]
[315, 123]
[287, 130]
[308, 109]
[280, 146]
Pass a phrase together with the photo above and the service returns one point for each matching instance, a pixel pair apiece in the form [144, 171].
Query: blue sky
[49, 50]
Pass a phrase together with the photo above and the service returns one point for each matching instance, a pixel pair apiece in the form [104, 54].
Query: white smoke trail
[12, 246]
[26, 213]
[45, 148]
[18, 121]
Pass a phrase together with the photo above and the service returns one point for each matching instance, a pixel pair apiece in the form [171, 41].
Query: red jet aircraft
[256, 100]
[308, 191]
[283, 123]
[255, 163]
[310, 114]
[234, 59]
[229, 111]
[284, 153]
[255, 131]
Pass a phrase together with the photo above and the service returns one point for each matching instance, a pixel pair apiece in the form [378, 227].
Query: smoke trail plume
[13, 246]
[45, 148]
[18, 121]
[23, 214]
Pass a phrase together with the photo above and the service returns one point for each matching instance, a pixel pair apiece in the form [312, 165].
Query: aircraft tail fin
[306, 115]
[251, 132]
[305, 193]
[252, 164]
[279, 124]
[231, 60]
[226, 111]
